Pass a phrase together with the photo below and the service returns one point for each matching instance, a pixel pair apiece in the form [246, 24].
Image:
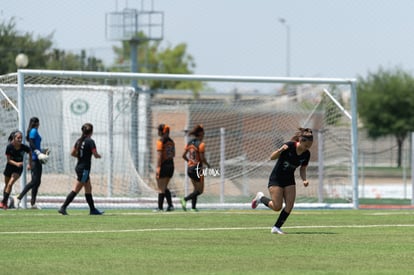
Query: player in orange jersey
[194, 156]
[165, 166]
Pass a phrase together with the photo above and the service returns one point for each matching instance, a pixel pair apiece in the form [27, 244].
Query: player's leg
[167, 191]
[275, 201]
[198, 190]
[82, 176]
[195, 179]
[289, 196]
[162, 185]
[3, 203]
[89, 198]
[36, 180]
[7, 190]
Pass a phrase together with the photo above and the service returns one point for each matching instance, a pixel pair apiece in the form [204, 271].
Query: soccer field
[207, 242]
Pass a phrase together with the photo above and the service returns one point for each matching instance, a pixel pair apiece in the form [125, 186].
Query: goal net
[245, 120]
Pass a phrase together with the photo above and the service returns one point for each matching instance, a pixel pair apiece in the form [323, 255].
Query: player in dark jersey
[194, 156]
[15, 151]
[282, 185]
[165, 166]
[39, 157]
[83, 150]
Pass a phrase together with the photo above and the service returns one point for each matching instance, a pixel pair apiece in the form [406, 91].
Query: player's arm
[159, 158]
[29, 162]
[276, 154]
[12, 162]
[185, 155]
[74, 152]
[202, 149]
[32, 144]
[302, 173]
[159, 162]
[96, 154]
[43, 157]
[204, 160]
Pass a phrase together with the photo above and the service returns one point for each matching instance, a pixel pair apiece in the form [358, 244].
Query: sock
[265, 200]
[168, 197]
[89, 200]
[282, 218]
[194, 200]
[192, 195]
[69, 199]
[161, 197]
[5, 198]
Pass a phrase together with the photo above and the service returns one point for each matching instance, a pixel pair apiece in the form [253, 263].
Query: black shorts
[11, 169]
[281, 183]
[193, 173]
[167, 170]
[82, 175]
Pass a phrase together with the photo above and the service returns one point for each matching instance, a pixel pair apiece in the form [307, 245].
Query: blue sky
[329, 38]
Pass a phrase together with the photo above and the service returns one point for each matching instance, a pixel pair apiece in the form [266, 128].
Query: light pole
[283, 22]
[21, 60]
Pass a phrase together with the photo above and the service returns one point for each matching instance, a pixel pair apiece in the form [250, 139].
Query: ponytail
[34, 122]
[87, 130]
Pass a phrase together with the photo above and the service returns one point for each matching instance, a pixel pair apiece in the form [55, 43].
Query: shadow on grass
[311, 233]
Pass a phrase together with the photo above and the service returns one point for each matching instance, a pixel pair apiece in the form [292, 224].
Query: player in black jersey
[83, 150]
[15, 151]
[282, 185]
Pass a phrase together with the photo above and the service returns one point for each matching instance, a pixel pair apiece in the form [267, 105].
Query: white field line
[200, 229]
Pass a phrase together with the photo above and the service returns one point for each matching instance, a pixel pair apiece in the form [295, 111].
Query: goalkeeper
[39, 157]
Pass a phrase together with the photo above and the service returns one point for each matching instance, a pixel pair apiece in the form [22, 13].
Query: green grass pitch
[207, 242]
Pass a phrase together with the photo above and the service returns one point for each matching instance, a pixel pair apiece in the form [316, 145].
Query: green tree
[12, 43]
[40, 52]
[60, 60]
[386, 105]
[153, 59]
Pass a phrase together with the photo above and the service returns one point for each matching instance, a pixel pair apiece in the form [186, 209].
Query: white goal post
[237, 124]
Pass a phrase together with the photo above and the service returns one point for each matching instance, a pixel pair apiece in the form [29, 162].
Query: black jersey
[289, 160]
[17, 154]
[85, 153]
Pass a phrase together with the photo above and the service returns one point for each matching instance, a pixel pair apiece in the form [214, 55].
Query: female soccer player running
[15, 151]
[83, 150]
[282, 185]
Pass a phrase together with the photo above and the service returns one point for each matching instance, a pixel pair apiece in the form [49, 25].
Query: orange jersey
[167, 149]
[193, 149]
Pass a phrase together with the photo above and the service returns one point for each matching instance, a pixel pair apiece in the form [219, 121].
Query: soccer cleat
[277, 230]
[157, 210]
[3, 205]
[36, 207]
[96, 212]
[256, 200]
[16, 202]
[194, 210]
[183, 204]
[170, 208]
[63, 211]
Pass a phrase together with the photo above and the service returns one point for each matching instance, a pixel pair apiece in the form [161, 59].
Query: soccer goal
[245, 119]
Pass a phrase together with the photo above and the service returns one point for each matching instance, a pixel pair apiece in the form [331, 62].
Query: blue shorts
[82, 175]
